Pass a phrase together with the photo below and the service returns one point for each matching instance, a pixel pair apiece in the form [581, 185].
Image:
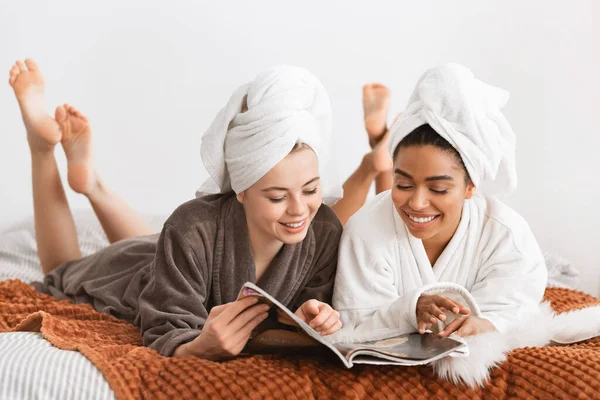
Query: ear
[470, 191]
[240, 197]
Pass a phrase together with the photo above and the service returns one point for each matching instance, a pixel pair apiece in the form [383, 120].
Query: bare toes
[21, 66]
[31, 65]
[60, 114]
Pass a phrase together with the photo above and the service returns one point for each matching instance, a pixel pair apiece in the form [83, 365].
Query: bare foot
[28, 84]
[375, 104]
[379, 160]
[77, 143]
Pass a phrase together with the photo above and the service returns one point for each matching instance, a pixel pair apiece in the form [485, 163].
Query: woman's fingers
[454, 306]
[452, 326]
[466, 330]
[240, 338]
[246, 316]
[437, 313]
[428, 318]
[333, 318]
[336, 327]
[233, 309]
[422, 326]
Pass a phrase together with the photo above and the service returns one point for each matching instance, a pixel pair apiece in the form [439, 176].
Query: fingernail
[455, 310]
[442, 317]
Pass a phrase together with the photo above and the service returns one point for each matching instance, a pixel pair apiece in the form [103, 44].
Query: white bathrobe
[383, 269]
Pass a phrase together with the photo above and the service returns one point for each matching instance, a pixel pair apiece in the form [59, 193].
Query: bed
[57, 350]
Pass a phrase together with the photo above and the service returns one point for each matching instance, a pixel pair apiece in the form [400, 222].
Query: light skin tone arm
[226, 331]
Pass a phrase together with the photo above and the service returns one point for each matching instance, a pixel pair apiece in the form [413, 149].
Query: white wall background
[152, 74]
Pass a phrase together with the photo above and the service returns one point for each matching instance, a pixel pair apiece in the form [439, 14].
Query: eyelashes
[432, 190]
[306, 193]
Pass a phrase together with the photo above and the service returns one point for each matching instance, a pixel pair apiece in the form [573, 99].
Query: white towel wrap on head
[285, 105]
[466, 112]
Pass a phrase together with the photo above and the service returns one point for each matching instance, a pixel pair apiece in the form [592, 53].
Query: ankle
[41, 151]
[97, 189]
[375, 138]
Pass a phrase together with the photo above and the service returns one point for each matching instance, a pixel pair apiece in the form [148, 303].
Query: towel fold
[285, 105]
[466, 112]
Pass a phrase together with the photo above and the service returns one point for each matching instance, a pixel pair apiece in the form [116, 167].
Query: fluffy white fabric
[285, 105]
[488, 350]
[466, 112]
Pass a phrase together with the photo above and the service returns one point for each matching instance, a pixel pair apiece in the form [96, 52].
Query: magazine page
[408, 349]
[273, 333]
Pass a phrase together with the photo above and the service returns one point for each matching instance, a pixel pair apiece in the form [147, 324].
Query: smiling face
[429, 191]
[282, 204]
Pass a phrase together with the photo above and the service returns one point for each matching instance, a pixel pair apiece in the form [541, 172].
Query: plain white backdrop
[152, 74]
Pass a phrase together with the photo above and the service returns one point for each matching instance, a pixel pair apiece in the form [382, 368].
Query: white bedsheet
[30, 367]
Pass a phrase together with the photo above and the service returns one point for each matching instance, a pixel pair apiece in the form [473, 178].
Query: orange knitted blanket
[136, 372]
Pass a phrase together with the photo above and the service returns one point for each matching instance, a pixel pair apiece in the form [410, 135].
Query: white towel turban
[285, 105]
[466, 112]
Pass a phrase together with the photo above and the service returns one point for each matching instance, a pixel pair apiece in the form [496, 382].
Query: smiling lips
[421, 222]
[294, 227]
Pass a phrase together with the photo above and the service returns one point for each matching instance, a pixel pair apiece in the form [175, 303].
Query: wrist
[193, 348]
[182, 351]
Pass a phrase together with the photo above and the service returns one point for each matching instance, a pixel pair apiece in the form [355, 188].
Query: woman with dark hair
[411, 256]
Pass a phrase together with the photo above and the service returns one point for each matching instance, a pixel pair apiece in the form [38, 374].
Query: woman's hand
[319, 316]
[226, 330]
[468, 326]
[431, 308]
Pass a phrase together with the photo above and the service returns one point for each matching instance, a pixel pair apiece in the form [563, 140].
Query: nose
[297, 206]
[418, 200]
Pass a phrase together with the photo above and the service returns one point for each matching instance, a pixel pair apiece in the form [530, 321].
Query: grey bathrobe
[166, 284]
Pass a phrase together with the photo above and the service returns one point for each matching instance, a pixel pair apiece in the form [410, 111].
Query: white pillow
[18, 250]
[561, 272]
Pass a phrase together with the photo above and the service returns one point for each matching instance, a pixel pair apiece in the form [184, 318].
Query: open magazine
[408, 349]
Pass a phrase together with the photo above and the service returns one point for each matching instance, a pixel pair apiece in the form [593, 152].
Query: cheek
[398, 197]
[274, 212]
[265, 212]
[450, 206]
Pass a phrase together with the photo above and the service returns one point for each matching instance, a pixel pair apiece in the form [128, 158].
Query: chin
[423, 235]
[292, 239]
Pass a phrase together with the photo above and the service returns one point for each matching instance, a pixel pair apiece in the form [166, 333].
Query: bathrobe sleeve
[172, 305]
[366, 295]
[511, 280]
